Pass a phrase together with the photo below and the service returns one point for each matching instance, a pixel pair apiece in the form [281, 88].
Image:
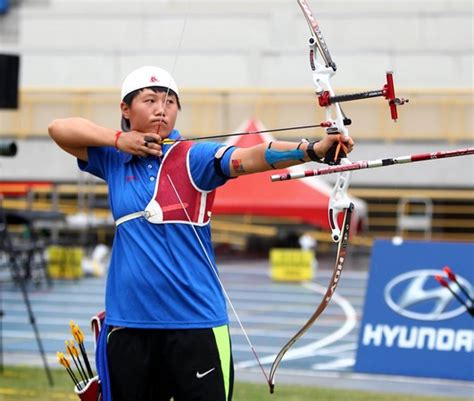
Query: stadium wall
[239, 43]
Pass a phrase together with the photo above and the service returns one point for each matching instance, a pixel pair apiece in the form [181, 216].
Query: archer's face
[149, 113]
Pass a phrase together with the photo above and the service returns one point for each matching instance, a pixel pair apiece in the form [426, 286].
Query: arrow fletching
[450, 273]
[63, 360]
[76, 332]
[441, 280]
[71, 349]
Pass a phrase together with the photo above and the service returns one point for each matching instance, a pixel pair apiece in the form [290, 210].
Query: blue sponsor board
[411, 324]
[4, 6]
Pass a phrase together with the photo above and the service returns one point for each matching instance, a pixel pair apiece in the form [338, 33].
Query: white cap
[144, 77]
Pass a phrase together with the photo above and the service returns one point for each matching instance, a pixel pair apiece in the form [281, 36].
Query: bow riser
[333, 112]
[336, 121]
[339, 201]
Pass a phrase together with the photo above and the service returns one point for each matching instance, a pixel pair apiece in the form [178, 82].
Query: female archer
[166, 329]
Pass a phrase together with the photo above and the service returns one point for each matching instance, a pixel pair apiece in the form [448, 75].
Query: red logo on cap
[153, 79]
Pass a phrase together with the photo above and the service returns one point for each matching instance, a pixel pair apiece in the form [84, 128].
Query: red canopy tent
[305, 200]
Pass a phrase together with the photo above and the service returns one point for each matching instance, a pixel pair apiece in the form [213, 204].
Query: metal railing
[452, 214]
[437, 114]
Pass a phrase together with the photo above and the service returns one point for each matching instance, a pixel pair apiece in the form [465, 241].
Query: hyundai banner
[411, 324]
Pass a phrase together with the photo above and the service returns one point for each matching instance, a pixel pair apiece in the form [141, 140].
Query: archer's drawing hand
[140, 144]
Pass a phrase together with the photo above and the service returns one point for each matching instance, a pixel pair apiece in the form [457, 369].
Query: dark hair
[128, 99]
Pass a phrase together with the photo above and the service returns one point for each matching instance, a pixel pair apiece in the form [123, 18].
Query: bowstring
[211, 265]
[175, 62]
[199, 138]
[216, 274]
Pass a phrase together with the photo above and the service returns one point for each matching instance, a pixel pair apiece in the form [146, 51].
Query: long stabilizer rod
[373, 164]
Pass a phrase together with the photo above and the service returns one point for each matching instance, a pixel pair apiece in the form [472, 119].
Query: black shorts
[156, 365]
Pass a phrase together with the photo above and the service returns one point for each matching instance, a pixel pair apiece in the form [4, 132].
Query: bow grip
[335, 153]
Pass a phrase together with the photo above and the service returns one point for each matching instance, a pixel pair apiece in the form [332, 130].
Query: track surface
[270, 312]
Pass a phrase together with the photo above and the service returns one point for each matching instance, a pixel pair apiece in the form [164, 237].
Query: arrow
[79, 337]
[64, 362]
[360, 165]
[444, 283]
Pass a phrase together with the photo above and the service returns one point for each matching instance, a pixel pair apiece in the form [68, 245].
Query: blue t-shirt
[159, 276]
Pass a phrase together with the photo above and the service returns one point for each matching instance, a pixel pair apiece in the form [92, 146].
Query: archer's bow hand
[334, 147]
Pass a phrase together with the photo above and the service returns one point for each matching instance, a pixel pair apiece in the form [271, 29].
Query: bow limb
[333, 282]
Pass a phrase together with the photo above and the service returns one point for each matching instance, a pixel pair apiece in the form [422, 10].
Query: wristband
[117, 136]
[311, 153]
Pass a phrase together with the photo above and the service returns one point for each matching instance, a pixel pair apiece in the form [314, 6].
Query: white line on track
[340, 350]
[311, 348]
[340, 363]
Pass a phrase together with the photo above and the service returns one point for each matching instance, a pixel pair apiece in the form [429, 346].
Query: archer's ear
[125, 110]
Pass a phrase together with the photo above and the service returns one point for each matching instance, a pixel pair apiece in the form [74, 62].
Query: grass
[28, 384]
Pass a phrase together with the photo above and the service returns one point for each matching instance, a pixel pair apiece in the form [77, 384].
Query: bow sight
[388, 92]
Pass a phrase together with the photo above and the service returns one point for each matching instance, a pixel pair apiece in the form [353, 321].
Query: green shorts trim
[222, 336]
